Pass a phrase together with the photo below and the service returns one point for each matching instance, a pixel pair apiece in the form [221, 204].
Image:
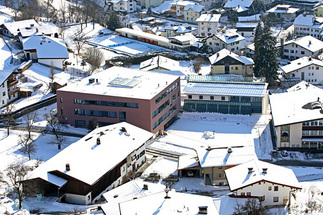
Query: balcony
[14, 91]
[12, 83]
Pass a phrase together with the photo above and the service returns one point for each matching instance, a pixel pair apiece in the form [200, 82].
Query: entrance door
[122, 116]
[226, 68]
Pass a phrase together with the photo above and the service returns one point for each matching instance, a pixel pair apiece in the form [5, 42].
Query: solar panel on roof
[125, 82]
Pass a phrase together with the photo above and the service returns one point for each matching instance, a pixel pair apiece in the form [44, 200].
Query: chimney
[123, 129]
[98, 141]
[217, 54]
[202, 210]
[145, 187]
[229, 150]
[264, 170]
[32, 25]
[209, 148]
[68, 168]
[309, 42]
[43, 39]
[250, 170]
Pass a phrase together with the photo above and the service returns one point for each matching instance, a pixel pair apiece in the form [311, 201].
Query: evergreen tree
[113, 21]
[266, 54]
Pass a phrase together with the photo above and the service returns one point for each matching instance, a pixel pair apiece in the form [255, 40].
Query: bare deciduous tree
[79, 39]
[55, 125]
[251, 207]
[52, 73]
[16, 5]
[16, 173]
[94, 57]
[26, 140]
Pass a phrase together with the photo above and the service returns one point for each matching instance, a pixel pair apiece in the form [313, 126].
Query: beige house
[227, 62]
[297, 117]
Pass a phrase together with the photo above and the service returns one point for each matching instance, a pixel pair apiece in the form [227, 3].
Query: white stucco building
[208, 24]
[270, 183]
[46, 50]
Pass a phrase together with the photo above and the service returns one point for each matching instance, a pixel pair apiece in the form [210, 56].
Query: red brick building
[148, 100]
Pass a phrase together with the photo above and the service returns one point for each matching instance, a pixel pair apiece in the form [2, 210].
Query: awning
[53, 179]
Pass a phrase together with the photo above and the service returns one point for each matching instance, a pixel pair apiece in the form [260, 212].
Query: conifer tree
[266, 54]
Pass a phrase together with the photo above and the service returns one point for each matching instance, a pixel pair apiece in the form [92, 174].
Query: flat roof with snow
[222, 89]
[287, 108]
[84, 155]
[131, 83]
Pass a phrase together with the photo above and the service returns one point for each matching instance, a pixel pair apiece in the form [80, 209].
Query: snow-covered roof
[123, 82]
[237, 3]
[304, 19]
[14, 27]
[209, 18]
[307, 42]
[283, 8]
[159, 62]
[194, 7]
[4, 75]
[143, 34]
[212, 157]
[46, 47]
[230, 36]
[182, 29]
[178, 203]
[239, 177]
[301, 63]
[37, 30]
[222, 89]
[287, 108]
[183, 3]
[187, 162]
[246, 25]
[128, 191]
[225, 53]
[84, 155]
[254, 18]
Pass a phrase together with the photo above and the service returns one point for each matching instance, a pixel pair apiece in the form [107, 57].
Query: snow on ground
[5, 54]
[166, 5]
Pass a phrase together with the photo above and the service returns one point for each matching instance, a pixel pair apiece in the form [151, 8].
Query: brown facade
[140, 115]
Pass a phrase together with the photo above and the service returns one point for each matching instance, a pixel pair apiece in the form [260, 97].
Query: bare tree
[94, 57]
[55, 125]
[63, 11]
[251, 207]
[79, 39]
[16, 5]
[16, 174]
[8, 116]
[26, 140]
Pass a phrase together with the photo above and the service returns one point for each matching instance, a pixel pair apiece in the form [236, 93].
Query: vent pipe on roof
[145, 187]
[264, 170]
[250, 170]
[67, 167]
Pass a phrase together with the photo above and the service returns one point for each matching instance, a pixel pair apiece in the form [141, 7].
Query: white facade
[304, 69]
[208, 24]
[128, 6]
[272, 194]
[306, 24]
[57, 63]
[307, 46]
[78, 199]
[230, 41]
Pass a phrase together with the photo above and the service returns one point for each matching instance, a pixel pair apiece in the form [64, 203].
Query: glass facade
[96, 113]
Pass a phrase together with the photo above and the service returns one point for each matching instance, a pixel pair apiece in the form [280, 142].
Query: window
[243, 194]
[189, 96]
[222, 98]
[211, 97]
[276, 199]
[236, 68]
[61, 100]
[200, 97]
[269, 188]
[220, 175]
[248, 193]
[80, 123]
[275, 188]
[122, 116]
[302, 52]
[62, 111]
[3, 93]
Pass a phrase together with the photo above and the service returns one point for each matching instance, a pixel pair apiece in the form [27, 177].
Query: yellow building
[318, 10]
